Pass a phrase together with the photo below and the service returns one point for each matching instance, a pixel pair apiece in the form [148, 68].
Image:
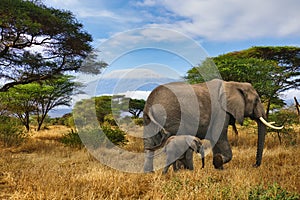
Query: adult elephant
[204, 110]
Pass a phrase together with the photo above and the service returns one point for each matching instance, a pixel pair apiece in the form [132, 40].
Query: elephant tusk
[269, 124]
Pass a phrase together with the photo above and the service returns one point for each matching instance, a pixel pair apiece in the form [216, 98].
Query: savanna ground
[43, 168]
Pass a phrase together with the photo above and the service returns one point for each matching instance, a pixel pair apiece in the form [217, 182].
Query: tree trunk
[40, 122]
[297, 106]
[268, 108]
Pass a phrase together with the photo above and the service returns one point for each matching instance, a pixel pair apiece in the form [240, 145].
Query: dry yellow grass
[45, 169]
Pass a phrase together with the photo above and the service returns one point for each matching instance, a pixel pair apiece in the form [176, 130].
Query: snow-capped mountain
[122, 81]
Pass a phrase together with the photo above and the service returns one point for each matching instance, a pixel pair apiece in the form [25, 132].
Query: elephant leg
[165, 170]
[221, 152]
[148, 164]
[180, 164]
[169, 162]
[150, 142]
[189, 159]
[177, 165]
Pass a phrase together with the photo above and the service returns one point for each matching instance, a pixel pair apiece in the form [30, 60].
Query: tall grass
[43, 168]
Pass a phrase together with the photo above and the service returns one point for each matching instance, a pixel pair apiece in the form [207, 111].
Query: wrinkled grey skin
[179, 151]
[219, 104]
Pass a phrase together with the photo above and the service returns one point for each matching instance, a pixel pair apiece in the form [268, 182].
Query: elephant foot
[218, 161]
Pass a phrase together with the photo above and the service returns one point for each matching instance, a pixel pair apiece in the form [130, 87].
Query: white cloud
[96, 10]
[153, 38]
[146, 3]
[290, 94]
[235, 19]
[225, 20]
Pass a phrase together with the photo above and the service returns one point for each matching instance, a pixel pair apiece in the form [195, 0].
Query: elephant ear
[192, 142]
[232, 100]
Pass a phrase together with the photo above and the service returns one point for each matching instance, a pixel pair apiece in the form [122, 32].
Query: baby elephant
[179, 150]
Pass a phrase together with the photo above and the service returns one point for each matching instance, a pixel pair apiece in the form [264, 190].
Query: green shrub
[72, 139]
[11, 132]
[273, 192]
[285, 117]
[115, 135]
[138, 121]
[93, 137]
[110, 120]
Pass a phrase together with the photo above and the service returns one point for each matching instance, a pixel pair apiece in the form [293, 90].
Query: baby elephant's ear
[194, 143]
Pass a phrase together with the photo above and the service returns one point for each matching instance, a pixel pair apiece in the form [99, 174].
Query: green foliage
[288, 118]
[72, 139]
[271, 70]
[110, 120]
[11, 133]
[69, 121]
[285, 116]
[38, 98]
[66, 120]
[106, 109]
[273, 192]
[103, 107]
[136, 107]
[84, 113]
[287, 58]
[138, 121]
[94, 137]
[63, 43]
[115, 135]
[204, 72]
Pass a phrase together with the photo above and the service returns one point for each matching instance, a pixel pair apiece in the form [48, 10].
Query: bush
[273, 192]
[110, 120]
[11, 132]
[72, 139]
[115, 135]
[138, 121]
[94, 138]
[286, 116]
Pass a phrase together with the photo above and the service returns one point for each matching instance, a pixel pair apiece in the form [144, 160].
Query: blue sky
[219, 26]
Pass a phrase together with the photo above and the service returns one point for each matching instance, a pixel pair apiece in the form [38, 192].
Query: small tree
[53, 93]
[19, 101]
[103, 107]
[38, 98]
[136, 107]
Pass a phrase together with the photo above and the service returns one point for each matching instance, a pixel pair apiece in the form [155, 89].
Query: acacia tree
[38, 99]
[38, 43]
[19, 102]
[136, 107]
[286, 72]
[53, 93]
[271, 70]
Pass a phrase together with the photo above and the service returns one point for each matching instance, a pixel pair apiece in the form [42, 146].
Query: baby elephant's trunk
[202, 158]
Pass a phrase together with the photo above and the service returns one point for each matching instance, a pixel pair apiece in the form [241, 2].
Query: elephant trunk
[260, 142]
[203, 161]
